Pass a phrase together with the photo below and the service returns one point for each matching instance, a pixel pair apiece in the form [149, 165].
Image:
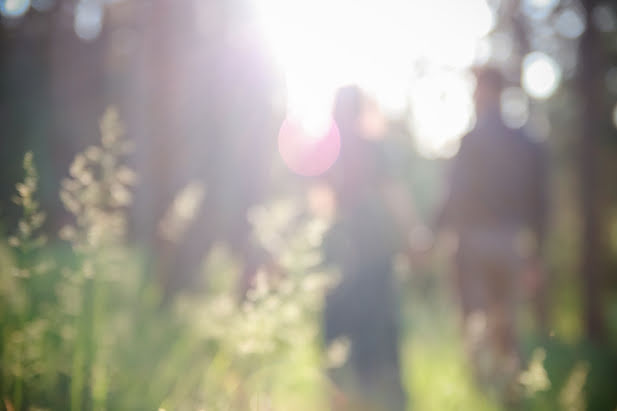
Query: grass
[436, 374]
[83, 327]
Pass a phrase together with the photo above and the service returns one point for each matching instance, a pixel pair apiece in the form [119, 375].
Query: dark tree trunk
[591, 102]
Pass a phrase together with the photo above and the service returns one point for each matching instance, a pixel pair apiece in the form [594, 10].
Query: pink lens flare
[304, 154]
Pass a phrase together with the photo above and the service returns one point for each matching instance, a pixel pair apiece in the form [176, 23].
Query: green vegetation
[83, 325]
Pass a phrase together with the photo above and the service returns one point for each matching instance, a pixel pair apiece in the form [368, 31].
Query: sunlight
[443, 110]
[539, 9]
[514, 107]
[570, 23]
[541, 75]
[307, 155]
[88, 20]
[379, 45]
[14, 8]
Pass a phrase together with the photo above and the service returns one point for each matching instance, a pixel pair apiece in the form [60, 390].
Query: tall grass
[83, 327]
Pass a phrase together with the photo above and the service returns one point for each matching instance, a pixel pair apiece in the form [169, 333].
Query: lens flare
[14, 8]
[380, 45]
[308, 156]
[514, 107]
[541, 75]
[88, 21]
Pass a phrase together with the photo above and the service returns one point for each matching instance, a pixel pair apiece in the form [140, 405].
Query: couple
[495, 206]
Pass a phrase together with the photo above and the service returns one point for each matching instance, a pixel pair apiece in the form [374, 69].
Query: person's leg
[504, 284]
[472, 294]
[364, 308]
[502, 308]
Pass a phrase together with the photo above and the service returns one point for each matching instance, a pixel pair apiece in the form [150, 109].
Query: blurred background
[222, 102]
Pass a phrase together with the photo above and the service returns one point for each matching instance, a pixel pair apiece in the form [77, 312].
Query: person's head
[359, 120]
[355, 113]
[489, 85]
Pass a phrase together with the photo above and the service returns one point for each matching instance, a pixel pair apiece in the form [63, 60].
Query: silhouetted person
[362, 243]
[496, 208]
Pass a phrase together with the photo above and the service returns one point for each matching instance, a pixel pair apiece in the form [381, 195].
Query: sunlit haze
[541, 75]
[14, 8]
[412, 56]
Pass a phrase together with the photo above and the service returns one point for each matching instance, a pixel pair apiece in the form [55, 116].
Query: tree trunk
[590, 78]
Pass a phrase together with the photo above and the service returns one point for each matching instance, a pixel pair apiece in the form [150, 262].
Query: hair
[489, 77]
[348, 104]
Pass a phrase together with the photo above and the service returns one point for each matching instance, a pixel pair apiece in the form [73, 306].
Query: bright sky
[379, 45]
[413, 56]
[406, 53]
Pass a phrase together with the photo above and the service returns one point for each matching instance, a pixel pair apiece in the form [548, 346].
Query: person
[362, 242]
[496, 208]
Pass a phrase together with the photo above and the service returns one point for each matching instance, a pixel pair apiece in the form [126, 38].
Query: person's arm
[456, 184]
[400, 205]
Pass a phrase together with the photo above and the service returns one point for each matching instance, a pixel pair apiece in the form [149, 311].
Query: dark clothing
[497, 178]
[363, 306]
[496, 206]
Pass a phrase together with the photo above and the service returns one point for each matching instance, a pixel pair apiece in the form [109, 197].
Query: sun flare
[390, 48]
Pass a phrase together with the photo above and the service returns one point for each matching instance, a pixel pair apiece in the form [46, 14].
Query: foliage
[83, 326]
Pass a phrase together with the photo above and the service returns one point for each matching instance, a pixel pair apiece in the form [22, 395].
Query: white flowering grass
[84, 328]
